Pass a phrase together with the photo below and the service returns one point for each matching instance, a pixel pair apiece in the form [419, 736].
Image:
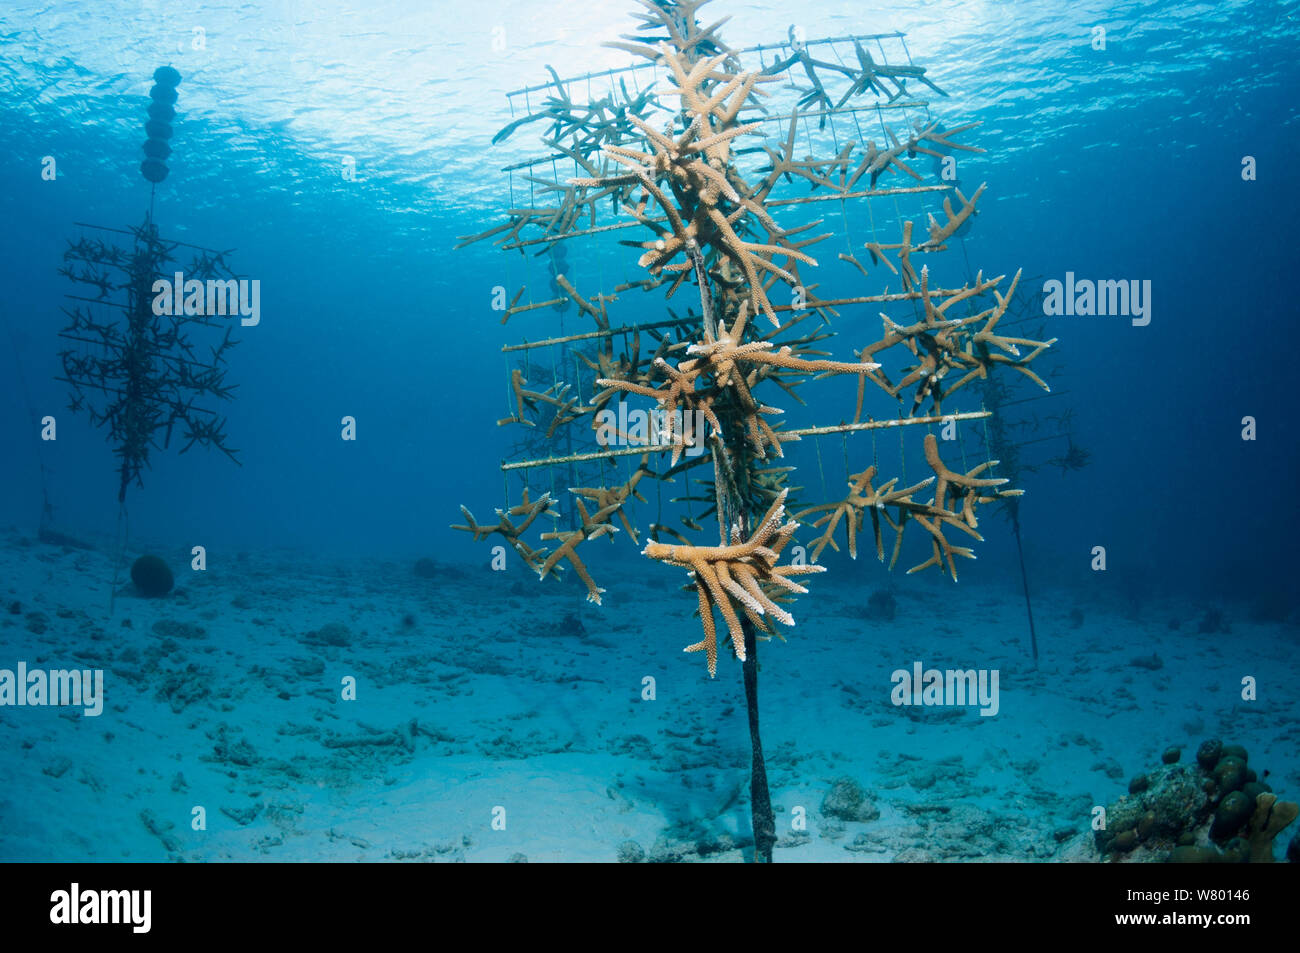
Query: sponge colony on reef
[151, 576]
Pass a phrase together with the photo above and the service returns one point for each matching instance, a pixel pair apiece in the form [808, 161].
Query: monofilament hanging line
[817, 444]
[902, 454]
[122, 531]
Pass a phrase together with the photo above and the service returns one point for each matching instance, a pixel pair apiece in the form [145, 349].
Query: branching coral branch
[741, 578]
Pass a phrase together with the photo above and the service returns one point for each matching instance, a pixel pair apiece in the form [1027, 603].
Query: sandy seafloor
[506, 692]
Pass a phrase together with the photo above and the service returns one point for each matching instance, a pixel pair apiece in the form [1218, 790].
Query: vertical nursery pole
[733, 511]
[1024, 578]
[761, 816]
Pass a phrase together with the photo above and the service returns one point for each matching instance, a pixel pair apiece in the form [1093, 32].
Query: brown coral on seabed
[733, 577]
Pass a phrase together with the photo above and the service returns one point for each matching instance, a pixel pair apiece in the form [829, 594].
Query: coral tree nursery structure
[131, 370]
[702, 167]
[134, 364]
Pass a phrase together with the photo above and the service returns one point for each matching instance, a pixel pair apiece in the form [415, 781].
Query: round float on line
[157, 149]
[155, 170]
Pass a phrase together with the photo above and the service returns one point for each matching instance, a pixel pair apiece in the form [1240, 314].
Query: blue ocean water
[479, 689]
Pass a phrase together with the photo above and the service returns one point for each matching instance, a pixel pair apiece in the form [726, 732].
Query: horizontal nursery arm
[784, 434]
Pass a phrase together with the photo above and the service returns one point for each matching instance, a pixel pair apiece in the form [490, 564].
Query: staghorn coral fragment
[966, 487]
[529, 510]
[609, 501]
[954, 504]
[569, 540]
[941, 344]
[723, 363]
[941, 233]
[734, 576]
[949, 480]
[852, 509]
